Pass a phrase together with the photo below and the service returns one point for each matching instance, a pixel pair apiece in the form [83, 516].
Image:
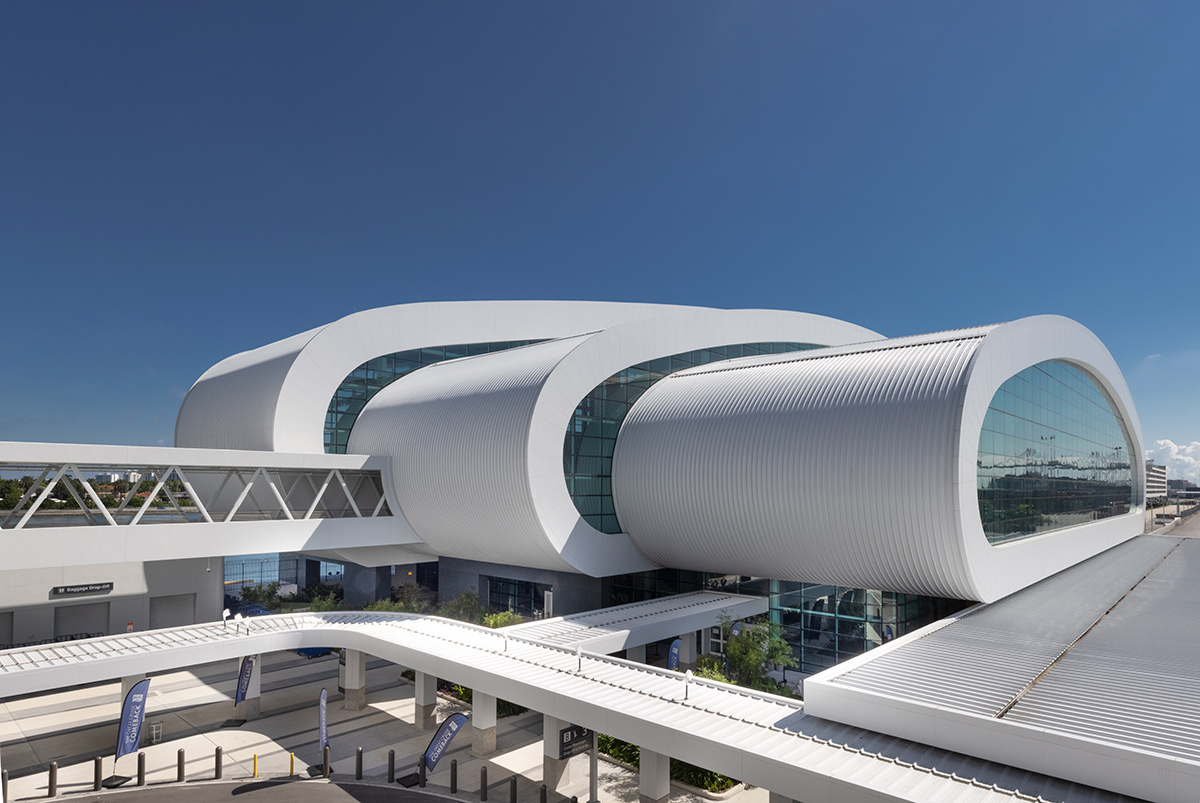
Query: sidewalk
[75, 725]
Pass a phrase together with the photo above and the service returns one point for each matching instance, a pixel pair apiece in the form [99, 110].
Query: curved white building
[477, 444]
[961, 464]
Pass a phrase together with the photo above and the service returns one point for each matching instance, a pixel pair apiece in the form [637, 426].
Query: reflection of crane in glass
[1050, 442]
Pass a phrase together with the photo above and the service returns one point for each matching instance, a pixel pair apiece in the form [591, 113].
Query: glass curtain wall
[592, 432]
[824, 624]
[1052, 454]
[374, 375]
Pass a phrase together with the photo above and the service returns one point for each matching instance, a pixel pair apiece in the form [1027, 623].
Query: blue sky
[180, 181]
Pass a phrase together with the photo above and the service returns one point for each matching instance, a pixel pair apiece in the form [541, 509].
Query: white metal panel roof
[1092, 675]
[610, 629]
[1135, 677]
[981, 660]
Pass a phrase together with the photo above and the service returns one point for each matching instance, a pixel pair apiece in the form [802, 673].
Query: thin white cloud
[1182, 461]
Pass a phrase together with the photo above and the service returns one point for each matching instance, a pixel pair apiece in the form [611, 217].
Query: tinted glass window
[1052, 454]
[592, 431]
[374, 375]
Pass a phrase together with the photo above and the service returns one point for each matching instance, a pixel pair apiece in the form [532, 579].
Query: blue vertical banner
[323, 727]
[441, 740]
[673, 655]
[243, 684]
[737, 630]
[133, 713]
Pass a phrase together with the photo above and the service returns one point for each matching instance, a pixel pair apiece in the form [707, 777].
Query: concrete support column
[555, 770]
[637, 653]
[354, 680]
[706, 641]
[483, 724]
[775, 797]
[687, 650]
[251, 706]
[425, 701]
[654, 777]
[128, 683]
[312, 573]
[364, 584]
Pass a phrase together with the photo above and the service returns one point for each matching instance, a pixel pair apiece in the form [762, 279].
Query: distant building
[1156, 481]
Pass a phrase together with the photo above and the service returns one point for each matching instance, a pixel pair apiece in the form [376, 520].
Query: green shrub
[411, 598]
[680, 770]
[466, 607]
[621, 751]
[699, 777]
[329, 603]
[502, 618]
[265, 595]
[503, 707]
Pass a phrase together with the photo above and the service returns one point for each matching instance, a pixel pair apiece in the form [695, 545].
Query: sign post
[594, 766]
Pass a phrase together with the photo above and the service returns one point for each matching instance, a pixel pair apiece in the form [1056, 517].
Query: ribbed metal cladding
[982, 662]
[458, 435]
[1135, 678]
[837, 466]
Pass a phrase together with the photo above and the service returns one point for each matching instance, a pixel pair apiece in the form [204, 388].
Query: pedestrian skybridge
[762, 739]
[110, 504]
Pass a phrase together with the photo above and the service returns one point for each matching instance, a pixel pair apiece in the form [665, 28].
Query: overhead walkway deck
[608, 630]
[762, 739]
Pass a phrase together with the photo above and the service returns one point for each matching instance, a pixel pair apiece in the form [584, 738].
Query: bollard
[453, 776]
[217, 762]
[254, 772]
[292, 766]
[325, 763]
[52, 789]
[543, 797]
[421, 769]
[358, 764]
[482, 784]
[391, 766]
[97, 774]
[512, 789]
[141, 781]
[4, 785]
[179, 766]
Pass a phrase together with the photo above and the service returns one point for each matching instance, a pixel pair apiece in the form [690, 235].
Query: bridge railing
[255, 486]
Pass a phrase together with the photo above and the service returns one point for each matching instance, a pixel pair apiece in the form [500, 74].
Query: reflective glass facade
[592, 431]
[824, 624]
[520, 596]
[1052, 454]
[374, 375]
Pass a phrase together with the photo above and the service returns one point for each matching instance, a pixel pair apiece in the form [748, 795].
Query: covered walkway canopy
[762, 739]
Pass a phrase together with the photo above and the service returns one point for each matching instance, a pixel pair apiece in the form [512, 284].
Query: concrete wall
[573, 593]
[159, 593]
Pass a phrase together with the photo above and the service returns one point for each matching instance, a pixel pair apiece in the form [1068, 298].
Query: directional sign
[573, 740]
